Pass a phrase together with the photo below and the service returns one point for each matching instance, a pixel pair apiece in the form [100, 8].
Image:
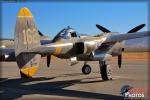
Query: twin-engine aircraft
[29, 47]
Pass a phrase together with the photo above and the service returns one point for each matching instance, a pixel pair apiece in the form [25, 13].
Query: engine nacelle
[89, 47]
[73, 61]
[100, 56]
[85, 47]
[117, 49]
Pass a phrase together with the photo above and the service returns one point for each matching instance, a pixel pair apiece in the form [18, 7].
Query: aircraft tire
[105, 72]
[86, 69]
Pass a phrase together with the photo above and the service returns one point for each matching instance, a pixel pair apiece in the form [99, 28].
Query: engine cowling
[85, 47]
[73, 61]
[118, 49]
[100, 56]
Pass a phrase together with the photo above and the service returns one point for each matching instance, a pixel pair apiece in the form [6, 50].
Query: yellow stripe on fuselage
[58, 49]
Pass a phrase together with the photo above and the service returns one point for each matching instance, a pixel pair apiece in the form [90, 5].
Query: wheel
[105, 72]
[86, 69]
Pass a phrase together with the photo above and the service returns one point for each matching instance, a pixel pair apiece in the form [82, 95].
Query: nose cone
[25, 12]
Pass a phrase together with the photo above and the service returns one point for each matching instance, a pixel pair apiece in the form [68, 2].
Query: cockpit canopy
[67, 33]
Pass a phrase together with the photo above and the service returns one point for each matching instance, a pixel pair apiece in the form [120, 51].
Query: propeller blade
[103, 29]
[137, 28]
[48, 60]
[40, 33]
[119, 61]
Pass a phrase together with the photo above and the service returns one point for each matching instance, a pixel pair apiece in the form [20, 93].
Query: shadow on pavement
[16, 88]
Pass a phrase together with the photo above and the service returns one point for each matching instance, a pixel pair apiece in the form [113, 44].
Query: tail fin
[26, 37]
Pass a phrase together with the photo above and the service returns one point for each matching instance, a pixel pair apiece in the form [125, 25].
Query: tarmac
[63, 82]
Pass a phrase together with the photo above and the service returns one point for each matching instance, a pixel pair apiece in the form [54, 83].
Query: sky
[51, 17]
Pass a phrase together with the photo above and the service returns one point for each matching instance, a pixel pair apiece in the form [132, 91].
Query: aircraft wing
[56, 48]
[121, 37]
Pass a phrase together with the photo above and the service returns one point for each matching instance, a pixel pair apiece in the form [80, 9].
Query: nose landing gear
[86, 69]
[105, 70]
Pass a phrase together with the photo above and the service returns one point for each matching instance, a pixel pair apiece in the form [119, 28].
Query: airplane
[28, 47]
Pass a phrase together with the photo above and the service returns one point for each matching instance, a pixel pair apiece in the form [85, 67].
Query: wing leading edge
[121, 37]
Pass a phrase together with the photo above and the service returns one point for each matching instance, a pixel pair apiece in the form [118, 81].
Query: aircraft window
[73, 34]
[67, 33]
[63, 32]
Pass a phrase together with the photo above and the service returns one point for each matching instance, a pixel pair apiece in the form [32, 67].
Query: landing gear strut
[86, 69]
[105, 70]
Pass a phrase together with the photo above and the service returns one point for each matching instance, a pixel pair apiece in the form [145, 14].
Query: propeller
[48, 60]
[137, 28]
[40, 33]
[103, 29]
[119, 60]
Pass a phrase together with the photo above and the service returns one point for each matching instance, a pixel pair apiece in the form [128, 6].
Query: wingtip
[24, 12]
